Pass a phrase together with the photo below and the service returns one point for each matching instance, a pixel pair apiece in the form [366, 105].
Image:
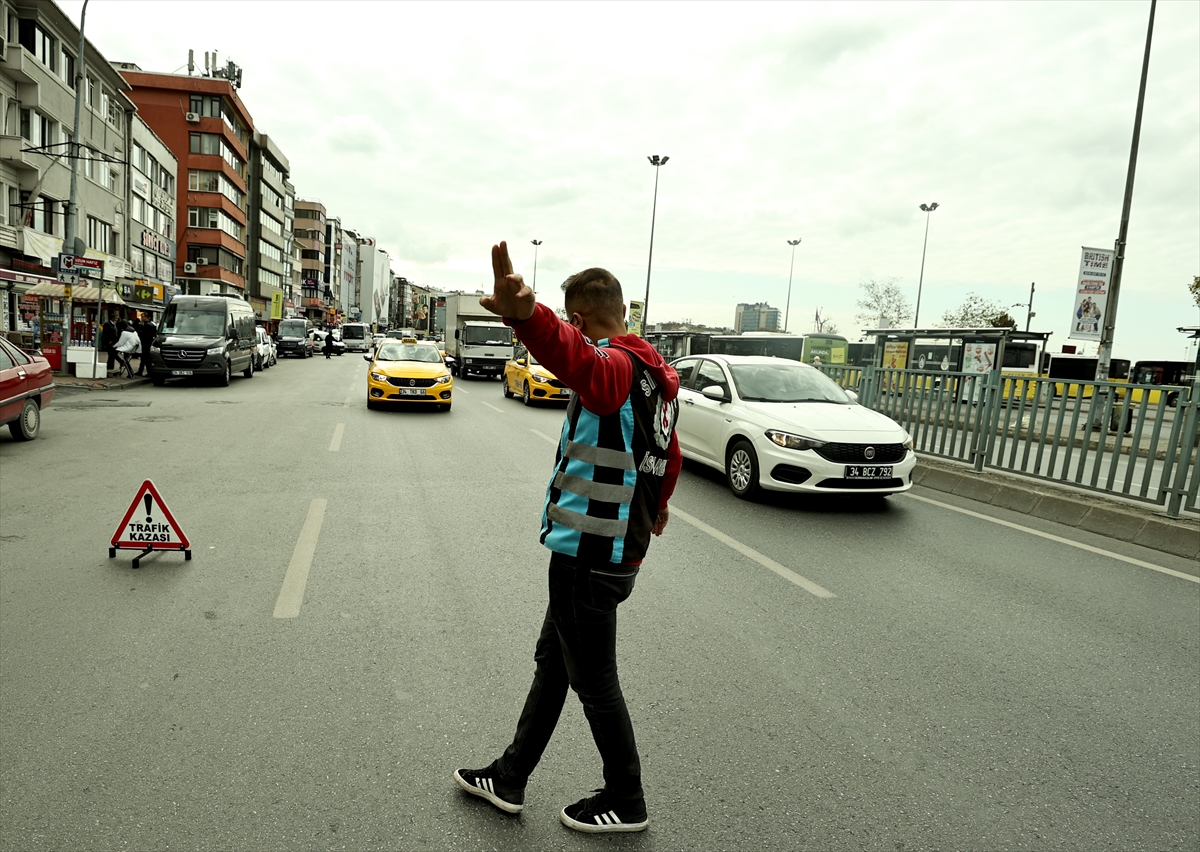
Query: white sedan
[780, 425]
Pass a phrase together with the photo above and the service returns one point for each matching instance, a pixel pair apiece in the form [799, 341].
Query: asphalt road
[967, 685]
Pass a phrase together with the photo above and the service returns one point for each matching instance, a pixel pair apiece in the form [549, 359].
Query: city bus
[1171, 375]
[828, 349]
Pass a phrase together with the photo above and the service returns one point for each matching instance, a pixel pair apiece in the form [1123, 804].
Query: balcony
[22, 161]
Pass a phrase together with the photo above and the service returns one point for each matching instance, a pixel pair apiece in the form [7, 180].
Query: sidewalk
[1142, 524]
[110, 383]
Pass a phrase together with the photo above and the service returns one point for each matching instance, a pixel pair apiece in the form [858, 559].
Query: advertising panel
[895, 355]
[634, 322]
[1091, 293]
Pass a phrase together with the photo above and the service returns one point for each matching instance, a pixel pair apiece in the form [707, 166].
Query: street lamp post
[655, 161]
[536, 243]
[788, 307]
[928, 208]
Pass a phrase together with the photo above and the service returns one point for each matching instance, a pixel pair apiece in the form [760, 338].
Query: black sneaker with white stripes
[484, 784]
[600, 814]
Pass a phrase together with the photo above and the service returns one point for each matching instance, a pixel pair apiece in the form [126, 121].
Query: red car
[26, 387]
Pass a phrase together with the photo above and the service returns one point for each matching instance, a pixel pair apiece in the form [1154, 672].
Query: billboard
[634, 323]
[1091, 293]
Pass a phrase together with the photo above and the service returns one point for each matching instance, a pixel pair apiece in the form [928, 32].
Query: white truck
[479, 343]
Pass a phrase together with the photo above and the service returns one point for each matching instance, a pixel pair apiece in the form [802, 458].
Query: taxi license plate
[412, 391]
[854, 471]
[181, 372]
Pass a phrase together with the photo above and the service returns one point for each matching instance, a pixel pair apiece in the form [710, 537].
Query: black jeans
[578, 648]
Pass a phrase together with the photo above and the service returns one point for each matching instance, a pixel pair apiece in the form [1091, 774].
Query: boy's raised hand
[511, 298]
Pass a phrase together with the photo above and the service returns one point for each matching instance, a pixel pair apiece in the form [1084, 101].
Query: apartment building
[153, 171]
[209, 130]
[757, 317]
[375, 283]
[310, 234]
[38, 69]
[332, 276]
[269, 243]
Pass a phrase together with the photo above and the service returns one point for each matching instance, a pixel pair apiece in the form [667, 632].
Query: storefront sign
[162, 200]
[140, 185]
[158, 243]
[1091, 294]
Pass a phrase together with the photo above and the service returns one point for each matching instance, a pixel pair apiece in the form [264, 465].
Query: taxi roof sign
[148, 525]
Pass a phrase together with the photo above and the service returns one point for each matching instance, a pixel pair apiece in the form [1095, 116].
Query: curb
[61, 382]
[1092, 513]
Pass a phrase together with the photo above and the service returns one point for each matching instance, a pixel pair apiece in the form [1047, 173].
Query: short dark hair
[594, 291]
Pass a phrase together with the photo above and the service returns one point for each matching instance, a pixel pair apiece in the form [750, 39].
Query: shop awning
[78, 294]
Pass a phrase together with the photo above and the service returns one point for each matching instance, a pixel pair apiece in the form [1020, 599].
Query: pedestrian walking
[147, 331]
[108, 340]
[615, 469]
[127, 345]
[328, 343]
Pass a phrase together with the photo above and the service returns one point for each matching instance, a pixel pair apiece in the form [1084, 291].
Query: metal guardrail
[1134, 441]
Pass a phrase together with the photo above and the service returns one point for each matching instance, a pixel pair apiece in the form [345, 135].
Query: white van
[357, 337]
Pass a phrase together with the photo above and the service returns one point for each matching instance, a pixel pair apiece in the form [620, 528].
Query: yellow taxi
[408, 371]
[525, 376]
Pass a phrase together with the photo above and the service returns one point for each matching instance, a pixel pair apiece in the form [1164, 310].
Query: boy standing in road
[615, 470]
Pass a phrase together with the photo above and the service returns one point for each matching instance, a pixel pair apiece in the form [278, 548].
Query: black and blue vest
[602, 501]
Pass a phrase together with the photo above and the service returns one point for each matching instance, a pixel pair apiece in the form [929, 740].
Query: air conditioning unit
[202, 261]
[189, 269]
[193, 117]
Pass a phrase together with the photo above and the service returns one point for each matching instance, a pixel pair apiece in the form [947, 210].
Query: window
[137, 260]
[214, 217]
[116, 115]
[138, 159]
[109, 177]
[137, 209]
[211, 143]
[66, 67]
[273, 171]
[165, 225]
[271, 195]
[100, 235]
[269, 278]
[38, 42]
[38, 129]
[201, 180]
[268, 250]
[90, 89]
[215, 255]
[270, 223]
[151, 265]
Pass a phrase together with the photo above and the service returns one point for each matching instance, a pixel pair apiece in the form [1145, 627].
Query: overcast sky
[441, 128]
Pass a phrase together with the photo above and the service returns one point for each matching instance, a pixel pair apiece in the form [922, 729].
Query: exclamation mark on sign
[147, 499]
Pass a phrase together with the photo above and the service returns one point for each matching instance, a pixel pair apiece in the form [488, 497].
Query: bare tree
[1194, 287]
[882, 303]
[822, 325]
[978, 312]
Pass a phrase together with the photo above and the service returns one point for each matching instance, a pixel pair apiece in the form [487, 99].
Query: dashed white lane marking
[291, 594]
[347, 402]
[493, 408]
[553, 441]
[460, 390]
[1059, 539]
[765, 561]
[336, 443]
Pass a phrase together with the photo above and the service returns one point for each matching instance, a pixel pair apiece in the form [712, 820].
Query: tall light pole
[787, 309]
[928, 208]
[1104, 354]
[655, 161]
[536, 243]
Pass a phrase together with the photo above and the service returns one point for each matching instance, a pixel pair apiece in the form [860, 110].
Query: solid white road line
[553, 441]
[336, 443]
[765, 561]
[493, 408]
[291, 594]
[460, 390]
[1059, 539]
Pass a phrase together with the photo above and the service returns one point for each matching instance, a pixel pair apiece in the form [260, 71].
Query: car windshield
[408, 352]
[189, 321]
[785, 383]
[289, 328]
[482, 335]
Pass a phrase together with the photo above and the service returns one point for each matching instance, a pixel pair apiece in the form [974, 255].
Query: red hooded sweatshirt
[601, 375]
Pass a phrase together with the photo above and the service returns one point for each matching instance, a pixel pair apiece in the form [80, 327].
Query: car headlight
[538, 378]
[154, 349]
[379, 377]
[793, 442]
[907, 443]
[444, 380]
[217, 350]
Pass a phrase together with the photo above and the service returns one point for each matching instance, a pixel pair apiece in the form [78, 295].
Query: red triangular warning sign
[149, 525]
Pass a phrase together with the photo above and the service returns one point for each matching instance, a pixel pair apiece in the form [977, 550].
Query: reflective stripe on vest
[586, 523]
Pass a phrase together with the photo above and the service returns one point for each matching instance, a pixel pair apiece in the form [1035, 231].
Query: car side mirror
[522, 362]
[366, 357]
[714, 393]
[456, 333]
[853, 396]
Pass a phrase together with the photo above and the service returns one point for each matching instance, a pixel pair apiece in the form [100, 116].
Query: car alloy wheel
[525, 393]
[27, 426]
[508, 394]
[226, 375]
[741, 469]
